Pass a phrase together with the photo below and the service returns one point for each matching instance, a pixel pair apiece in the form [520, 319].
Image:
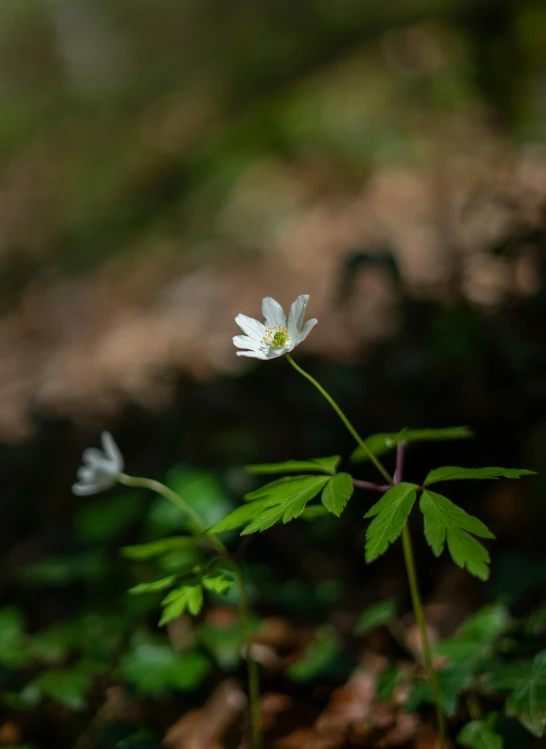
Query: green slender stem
[244, 609]
[176, 499]
[420, 617]
[343, 418]
[408, 555]
[474, 707]
[252, 666]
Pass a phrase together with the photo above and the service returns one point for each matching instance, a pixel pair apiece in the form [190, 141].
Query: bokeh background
[163, 166]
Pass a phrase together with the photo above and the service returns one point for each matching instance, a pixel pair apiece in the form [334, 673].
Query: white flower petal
[252, 354]
[244, 341]
[112, 451]
[307, 328]
[275, 352]
[296, 315]
[85, 473]
[272, 311]
[85, 490]
[96, 459]
[251, 327]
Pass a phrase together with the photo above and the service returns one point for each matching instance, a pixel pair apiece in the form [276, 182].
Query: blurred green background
[163, 166]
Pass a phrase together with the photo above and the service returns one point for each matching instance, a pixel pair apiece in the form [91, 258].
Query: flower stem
[406, 543]
[244, 609]
[176, 499]
[252, 666]
[343, 418]
[420, 617]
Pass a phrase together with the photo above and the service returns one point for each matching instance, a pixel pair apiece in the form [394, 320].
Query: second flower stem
[244, 608]
[408, 552]
[159, 488]
[252, 666]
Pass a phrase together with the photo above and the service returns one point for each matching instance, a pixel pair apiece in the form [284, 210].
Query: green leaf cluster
[474, 644]
[476, 661]
[286, 498]
[193, 574]
[444, 522]
[526, 682]
[469, 653]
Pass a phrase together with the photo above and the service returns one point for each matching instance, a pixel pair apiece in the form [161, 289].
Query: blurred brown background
[166, 165]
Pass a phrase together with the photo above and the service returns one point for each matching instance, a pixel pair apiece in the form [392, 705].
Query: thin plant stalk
[420, 617]
[343, 418]
[176, 499]
[244, 608]
[252, 666]
[406, 544]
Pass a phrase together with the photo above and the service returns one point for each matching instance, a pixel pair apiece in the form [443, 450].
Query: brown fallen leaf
[353, 718]
[428, 738]
[288, 722]
[347, 715]
[10, 733]
[216, 725]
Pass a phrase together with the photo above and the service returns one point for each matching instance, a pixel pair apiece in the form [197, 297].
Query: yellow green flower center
[277, 336]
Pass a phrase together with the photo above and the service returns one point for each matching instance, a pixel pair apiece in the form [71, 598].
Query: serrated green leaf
[445, 520]
[266, 519]
[242, 515]
[480, 735]
[455, 473]
[375, 616]
[329, 464]
[391, 512]
[337, 493]
[321, 465]
[188, 597]
[283, 500]
[528, 700]
[286, 487]
[314, 511]
[382, 443]
[157, 548]
[153, 587]
[217, 583]
[266, 489]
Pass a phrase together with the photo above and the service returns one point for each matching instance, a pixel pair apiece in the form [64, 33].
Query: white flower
[101, 468]
[278, 335]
